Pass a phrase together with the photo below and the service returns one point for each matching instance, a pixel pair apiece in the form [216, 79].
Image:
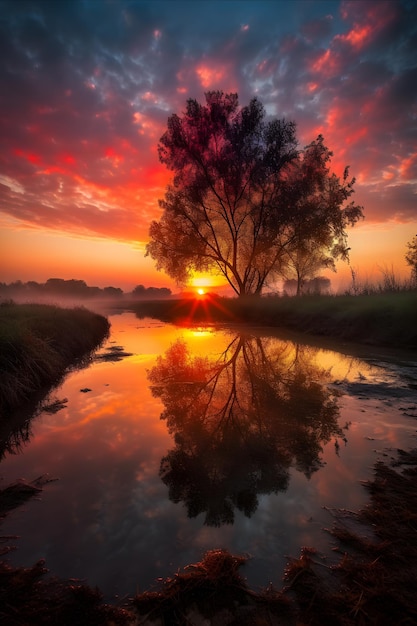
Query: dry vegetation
[373, 583]
[375, 580]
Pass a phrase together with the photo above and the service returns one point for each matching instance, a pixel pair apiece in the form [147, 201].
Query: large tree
[242, 195]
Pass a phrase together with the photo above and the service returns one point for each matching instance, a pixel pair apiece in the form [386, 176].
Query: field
[383, 319]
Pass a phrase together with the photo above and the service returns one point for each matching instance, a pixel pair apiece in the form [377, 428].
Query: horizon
[200, 287]
[88, 90]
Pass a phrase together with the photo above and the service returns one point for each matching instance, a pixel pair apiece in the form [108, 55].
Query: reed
[38, 343]
[373, 581]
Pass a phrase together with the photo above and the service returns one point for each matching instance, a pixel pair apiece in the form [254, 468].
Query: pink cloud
[210, 76]
[357, 37]
[407, 168]
[326, 64]
[81, 122]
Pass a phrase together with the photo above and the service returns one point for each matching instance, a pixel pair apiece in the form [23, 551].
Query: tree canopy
[243, 196]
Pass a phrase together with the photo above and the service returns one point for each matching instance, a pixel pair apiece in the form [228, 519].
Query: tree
[242, 195]
[139, 290]
[411, 257]
[316, 285]
[151, 292]
[113, 292]
[302, 262]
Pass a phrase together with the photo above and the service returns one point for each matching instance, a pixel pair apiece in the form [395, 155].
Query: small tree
[242, 195]
[301, 264]
[139, 291]
[113, 292]
[318, 285]
[411, 258]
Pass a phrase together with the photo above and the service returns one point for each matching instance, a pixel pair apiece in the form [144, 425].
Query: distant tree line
[151, 292]
[75, 289]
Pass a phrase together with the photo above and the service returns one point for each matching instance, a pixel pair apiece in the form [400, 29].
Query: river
[174, 441]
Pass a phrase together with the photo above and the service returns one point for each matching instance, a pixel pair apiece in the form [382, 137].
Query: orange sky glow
[82, 111]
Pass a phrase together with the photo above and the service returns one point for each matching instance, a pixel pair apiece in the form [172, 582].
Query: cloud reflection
[109, 518]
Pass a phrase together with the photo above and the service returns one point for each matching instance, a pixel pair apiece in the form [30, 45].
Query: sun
[203, 284]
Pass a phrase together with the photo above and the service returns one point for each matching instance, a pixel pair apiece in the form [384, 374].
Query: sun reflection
[201, 331]
[119, 435]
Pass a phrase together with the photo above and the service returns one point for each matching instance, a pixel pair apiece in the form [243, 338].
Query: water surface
[199, 439]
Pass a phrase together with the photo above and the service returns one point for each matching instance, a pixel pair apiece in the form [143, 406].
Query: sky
[87, 88]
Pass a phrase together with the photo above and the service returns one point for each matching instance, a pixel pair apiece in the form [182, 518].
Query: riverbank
[369, 585]
[373, 582]
[38, 343]
[381, 319]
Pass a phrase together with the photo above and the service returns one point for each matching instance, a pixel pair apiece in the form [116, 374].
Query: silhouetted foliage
[74, 289]
[411, 258]
[317, 285]
[140, 291]
[60, 287]
[301, 263]
[243, 197]
[240, 422]
[113, 292]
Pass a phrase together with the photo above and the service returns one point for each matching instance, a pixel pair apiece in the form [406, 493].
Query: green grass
[38, 343]
[386, 319]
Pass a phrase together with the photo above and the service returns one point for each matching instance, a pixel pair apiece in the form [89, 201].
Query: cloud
[87, 89]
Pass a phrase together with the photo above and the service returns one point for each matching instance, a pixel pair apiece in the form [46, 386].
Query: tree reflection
[240, 422]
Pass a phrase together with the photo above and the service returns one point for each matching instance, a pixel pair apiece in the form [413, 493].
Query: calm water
[200, 439]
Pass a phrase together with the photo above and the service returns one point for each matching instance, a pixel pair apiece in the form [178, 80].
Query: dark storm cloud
[87, 88]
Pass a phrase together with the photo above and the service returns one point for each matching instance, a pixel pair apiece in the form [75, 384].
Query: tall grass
[381, 318]
[38, 342]
[389, 283]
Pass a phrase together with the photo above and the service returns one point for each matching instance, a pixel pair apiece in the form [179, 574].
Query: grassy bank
[373, 582]
[386, 319]
[38, 343]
